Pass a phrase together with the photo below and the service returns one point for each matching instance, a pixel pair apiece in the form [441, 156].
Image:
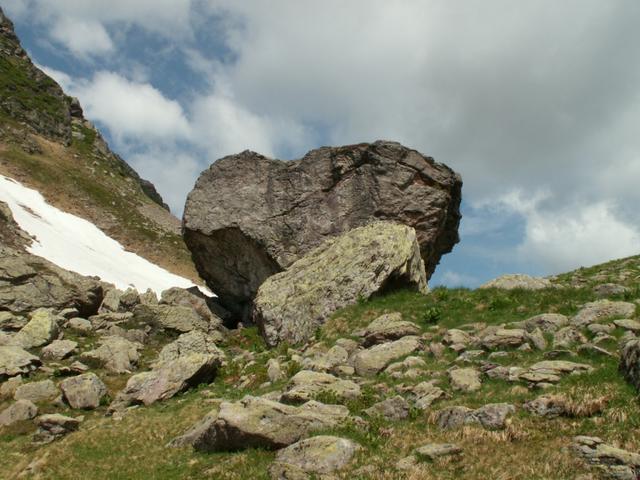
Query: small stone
[433, 451]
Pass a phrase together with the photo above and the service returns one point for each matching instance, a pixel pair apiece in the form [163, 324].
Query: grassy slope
[530, 448]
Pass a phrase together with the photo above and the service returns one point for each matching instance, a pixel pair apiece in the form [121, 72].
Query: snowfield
[78, 245]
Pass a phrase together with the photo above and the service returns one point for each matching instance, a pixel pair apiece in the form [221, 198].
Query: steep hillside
[47, 144]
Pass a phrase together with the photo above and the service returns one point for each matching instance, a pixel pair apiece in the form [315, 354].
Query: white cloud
[131, 110]
[82, 37]
[454, 279]
[570, 236]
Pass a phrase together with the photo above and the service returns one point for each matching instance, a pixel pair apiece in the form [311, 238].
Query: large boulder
[16, 361]
[249, 217]
[29, 282]
[316, 455]
[83, 391]
[41, 330]
[291, 305]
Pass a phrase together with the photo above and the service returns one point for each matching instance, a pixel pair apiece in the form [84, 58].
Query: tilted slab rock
[433, 451]
[503, 338]
[375, 359]
[249, 217]
[306, 385]
[205, 307]
[551, 371]
[29, 282]
[603, 310]
[16, 361]
[316, 455]
[255, 422]
[291, 305]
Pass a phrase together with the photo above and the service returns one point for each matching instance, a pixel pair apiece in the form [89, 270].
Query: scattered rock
[316, 455]
[609, 289]
[547, 322]
[194, 299]
[167, 379]
[424, 394]
[492, 416]
[84, 391]
[174, 318]
[465, 379]
[375, 359]
[115, 354]
[37, 391]
[518, 281]
[16, 361]
[249, 217]
[550, 371]
[192, 342]
[631, 325]
[17, 412]
[566, 337]
[59, 349]
[552, 406]
[614, 462]
[503, 338]
[306, 385]
[602, 310]
[391, 409]
[53, 426]
[80, 325]
[255, 422]
[274, 370]
[291, 305]
[457, 340]
[630, 362]
[41, 330]
[388, 327]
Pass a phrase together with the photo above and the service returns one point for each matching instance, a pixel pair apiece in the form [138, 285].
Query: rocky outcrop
[28, 282]
[249, 217]
[291, 305]
[630, 362]
[16, 361]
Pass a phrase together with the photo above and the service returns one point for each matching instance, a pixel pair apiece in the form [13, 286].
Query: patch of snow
[78, 245]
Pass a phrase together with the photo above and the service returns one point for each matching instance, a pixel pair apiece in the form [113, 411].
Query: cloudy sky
[536, 103]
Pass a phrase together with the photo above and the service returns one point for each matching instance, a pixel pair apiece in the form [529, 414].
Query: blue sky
[536, 104]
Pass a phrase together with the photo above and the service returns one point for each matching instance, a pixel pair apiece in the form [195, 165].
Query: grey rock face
[291, 305]
[249, 217]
